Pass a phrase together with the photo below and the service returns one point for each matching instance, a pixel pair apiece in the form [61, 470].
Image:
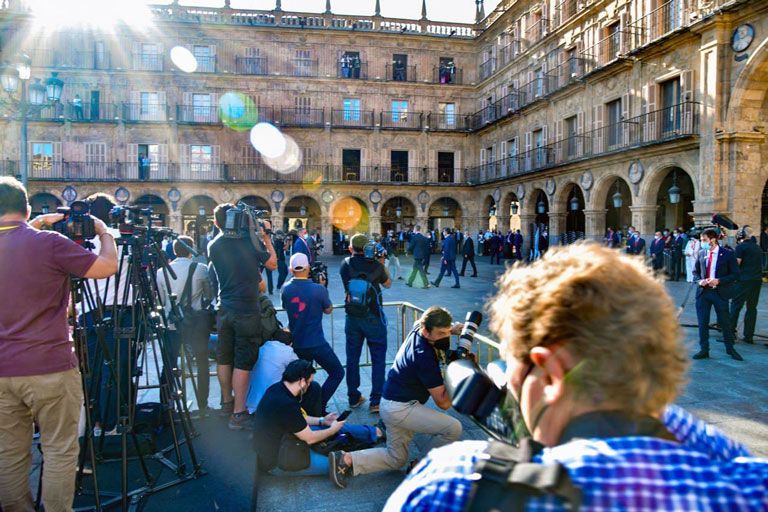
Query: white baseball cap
[299, 261]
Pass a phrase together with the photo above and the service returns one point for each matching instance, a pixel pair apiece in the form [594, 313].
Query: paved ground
[728, 394]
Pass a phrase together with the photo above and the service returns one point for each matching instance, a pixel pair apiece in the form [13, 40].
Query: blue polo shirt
[415, 370]
[305, 301]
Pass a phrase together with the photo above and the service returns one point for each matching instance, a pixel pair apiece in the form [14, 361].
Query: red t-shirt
[34, 295]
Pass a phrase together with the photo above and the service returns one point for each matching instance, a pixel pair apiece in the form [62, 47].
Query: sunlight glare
[183, 59]
[92, 13]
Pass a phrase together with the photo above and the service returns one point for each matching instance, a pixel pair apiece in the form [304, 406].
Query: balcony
[447, 75]
[401, 120]
[303, 67]
[356, 70]
[565, 10]
[487, 68]
[445, 122]
[147, 62]
[197, 114]
[605, 51]
[505, 54]
[400, 73]
[206, 64]
[537, 31]
[148, 113]
[352, 118]
[251, 66]
[92, 112]
[302, 117]
[672, 123]
[55, 112]
[667, 18]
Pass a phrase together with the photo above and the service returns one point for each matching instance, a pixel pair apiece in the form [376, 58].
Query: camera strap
[185, 299]
[508, 479]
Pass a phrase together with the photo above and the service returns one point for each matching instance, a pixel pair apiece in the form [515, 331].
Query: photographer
[363, 277]
[39, 375]
[594, 359]
[305, 303]
[750, 260]
[237, 263]
[414, 377]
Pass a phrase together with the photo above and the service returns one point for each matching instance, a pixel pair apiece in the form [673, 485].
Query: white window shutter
[131, 161]
[559, 141]
[503, 156]
[597, 125]
[545, 17]
[528, 138]
[624, 32]
[626, 114]
[649, 96]
[580, 133]
[687, 96]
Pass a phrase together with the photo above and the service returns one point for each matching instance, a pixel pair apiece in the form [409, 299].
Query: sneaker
[338, 471]
[373, 409]
[240, 421]
[435, 284]
[227, 408]
[734, 355]
[409, 285]
[360, 401]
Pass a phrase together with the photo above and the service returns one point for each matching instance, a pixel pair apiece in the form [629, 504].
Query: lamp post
[201, 217]
[674, 191]
[618, 200]
[32, 99]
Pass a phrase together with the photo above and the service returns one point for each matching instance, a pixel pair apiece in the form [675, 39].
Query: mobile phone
[343, 416]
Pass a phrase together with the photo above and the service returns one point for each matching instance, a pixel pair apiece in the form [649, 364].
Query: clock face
[327, 196]
[375, 196]
[742, 37]
[277, 196]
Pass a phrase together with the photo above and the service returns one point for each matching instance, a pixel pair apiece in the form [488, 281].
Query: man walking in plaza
[365, 320]
[468, 252]
[448, 259]
[419, 246]
[750, 260]
[39, 376]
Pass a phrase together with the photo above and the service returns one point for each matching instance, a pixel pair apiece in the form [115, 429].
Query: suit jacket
[517, 241]
[726, 270]
[419, 245]
[449, 248]
[657, 247]
[636, 245]
[469, 247]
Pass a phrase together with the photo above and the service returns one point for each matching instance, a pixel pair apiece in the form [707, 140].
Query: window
[150, 104]
[150, 57]
[538, 143]
[512, 155]
[302, 63]
[351, 109]
[95, 153]
[42, 156]
[398, 161]
[253, 63]
[613, 120]
[573, 64]
[200, 157]
[538, 82]
[445, 165]
[447, 115]
[570, 135]
[613, 41]
[350, 161]
[447, 71]
[670, 104]
[201, 107]
[399, 111]
[349, 65]
[400, 68]
[205, 58]
[249, 155]
[670, 15]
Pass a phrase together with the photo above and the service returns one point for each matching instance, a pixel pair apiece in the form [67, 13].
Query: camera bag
[293, 454]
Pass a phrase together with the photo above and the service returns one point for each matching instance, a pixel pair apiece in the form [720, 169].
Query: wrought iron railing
[352, 118]
[487, 68]
[302, 117]
[394, 73]
[354, 70]
[666, 18]
[251, 65]
[401, 120]
[147, 62]
[447, 75]
[91, 112]
[146, 112]
[303, 67]
[197, 114]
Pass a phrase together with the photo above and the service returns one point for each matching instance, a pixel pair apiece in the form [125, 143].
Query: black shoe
[338, 470]
[435, 284]
[720, 340]
[381, 426]
[701, 354]
[734, 355]
[409, 285]
[456, 286]
[399, 278]
[474, 275]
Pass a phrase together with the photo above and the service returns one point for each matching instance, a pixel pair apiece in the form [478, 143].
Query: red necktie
[709, 262]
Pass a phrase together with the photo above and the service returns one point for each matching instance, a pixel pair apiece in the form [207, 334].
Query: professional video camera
[236, 223]
[374, 251]
[128, 218]
[317, 271]
[77, 224]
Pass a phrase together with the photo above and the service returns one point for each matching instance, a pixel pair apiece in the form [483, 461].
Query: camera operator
[39, 375]
[305, 303]
[414, 377]
[594, 359]
[750, 260]
[363, 278]
[237, 263]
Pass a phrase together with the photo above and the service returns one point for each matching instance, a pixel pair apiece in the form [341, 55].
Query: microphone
[723, 220]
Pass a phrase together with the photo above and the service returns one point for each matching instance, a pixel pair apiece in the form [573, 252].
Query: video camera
[236, 224]
[128, 218]
[77, 224]
[317, 271]
[374, 251]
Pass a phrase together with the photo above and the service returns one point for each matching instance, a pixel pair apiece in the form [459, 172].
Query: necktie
[709, 263]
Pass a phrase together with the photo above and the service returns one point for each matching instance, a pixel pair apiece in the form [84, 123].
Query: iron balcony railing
[64, 58]
[565, 10]
[303, 67]
[445, 122]
[147, 62]
[197, 114]
[394, 73]
[537, 30]
[487, 68]
[505, 54]
[348, 118]
[670, 123]
[355, 70]
[146, 112]
[401, 120]
[666, 18]
[251, 65]
[605, 51]
[91, 112]
[206, 64]
[447, 75]
[55, 112]
[302, 117]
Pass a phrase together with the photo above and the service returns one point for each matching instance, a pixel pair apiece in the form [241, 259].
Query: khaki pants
[54, 400]
[403, 420]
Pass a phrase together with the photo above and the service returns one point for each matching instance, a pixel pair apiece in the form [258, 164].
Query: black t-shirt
[751, 257]
[278, 413]
[237, 264]
[415, 370]
[373, 270]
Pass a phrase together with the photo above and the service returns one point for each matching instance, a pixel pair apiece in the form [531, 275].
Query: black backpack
[361, 294]
[508, 479]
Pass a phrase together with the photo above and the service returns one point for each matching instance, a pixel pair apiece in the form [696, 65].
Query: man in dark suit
[517, 242]
[678, 245]
[636, 243]
[495, 242]
[716, 271]
[657, 251]
[468, 251]
[750, 260]
[419, 246]
[448, 260]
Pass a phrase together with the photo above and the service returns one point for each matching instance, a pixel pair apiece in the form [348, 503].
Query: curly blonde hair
[610, 312]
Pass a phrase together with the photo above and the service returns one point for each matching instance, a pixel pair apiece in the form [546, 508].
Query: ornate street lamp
[618, 200]
[574, 204]
[514, 207]
[201, 214]
[541, 206]
[674, 190]
[302, 211]
[398, 212]
[446, 210]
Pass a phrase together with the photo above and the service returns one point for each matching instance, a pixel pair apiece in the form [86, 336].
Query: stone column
[374, 225]
[594, 221]
[175, 222]
[502, 223]
[326, 230]
[277, 220]
[556, 227]
[525, 228]
[644, 220]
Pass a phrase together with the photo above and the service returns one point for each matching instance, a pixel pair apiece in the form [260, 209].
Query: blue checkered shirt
[704, 471]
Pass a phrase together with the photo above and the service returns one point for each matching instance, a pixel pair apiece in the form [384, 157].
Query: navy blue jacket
[449, 248]
[419, 245]
[469, 247]
[657, 247]
[726, 270]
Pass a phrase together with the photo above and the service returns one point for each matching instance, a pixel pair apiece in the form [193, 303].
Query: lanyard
[7, 228]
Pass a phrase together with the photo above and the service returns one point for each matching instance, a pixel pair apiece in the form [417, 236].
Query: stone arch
[746, 99]
[445, 212]
[604, 186]
[532, 199]
[507, 199]
[257, 202]
[657, 173]
[572, 201]
[563, 194]
[389, 217]
[301, 210]
[350, 214]
[40, 200]
[158, 205]
[670, 215]
[489, 213]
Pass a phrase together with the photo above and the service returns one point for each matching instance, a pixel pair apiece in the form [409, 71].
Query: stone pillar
[374, 225]
[326, 231]
[175, 222]
[502, 223]
[594, 221]
[421, 220]
[644, 220]
[277, 220]
[556, 227]
[525, 228]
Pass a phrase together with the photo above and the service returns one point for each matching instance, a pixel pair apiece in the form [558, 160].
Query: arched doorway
[301, 212]
[575, 224]
[197, 220]
[349, 215]
[539, 229]
[488, 214]
[675, 201]
[44, 202]
[618, 201]
[259, 203]
[445, 212]
[512, 204]
[159, 208]
[397, 214]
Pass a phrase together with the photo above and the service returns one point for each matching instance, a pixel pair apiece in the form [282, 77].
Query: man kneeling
[280, 412]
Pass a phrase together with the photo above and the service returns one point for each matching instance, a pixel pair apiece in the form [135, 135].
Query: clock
[635, 172]
[174, 195]
[327, 196]
[69, 194]
[742, 37]
[375, 197]
[587, 180]
[277, 196]
[550, 186]
[520, 191]
[122, 195]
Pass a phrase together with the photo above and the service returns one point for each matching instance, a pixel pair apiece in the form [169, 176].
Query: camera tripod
[139, 345]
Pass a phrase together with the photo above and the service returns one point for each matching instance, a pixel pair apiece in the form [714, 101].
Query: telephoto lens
[471, 323]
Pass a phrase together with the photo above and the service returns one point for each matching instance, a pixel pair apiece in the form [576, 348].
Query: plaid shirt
[705, 471]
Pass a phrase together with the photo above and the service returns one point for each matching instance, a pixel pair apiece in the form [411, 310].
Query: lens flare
[237, 111]
[183, 59]
[347, 214]
[268, 140]
[289, 161]
[312, 179]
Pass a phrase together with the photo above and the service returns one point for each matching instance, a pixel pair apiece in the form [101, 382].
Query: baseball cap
[299, 261]
[358, 241]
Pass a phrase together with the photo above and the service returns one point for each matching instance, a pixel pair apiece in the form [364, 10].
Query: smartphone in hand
[343, 416]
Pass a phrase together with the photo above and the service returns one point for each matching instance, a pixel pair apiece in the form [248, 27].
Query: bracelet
[320, 422]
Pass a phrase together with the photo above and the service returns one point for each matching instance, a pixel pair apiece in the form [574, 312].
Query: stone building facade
[568, 115]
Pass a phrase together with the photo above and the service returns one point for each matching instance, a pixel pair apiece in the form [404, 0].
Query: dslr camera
[77, 224]
[236, 224]
[317, 271]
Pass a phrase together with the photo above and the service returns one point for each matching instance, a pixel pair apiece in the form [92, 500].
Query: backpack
[361, 294]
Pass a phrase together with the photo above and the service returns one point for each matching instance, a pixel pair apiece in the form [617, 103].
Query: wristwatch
[320, 422]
